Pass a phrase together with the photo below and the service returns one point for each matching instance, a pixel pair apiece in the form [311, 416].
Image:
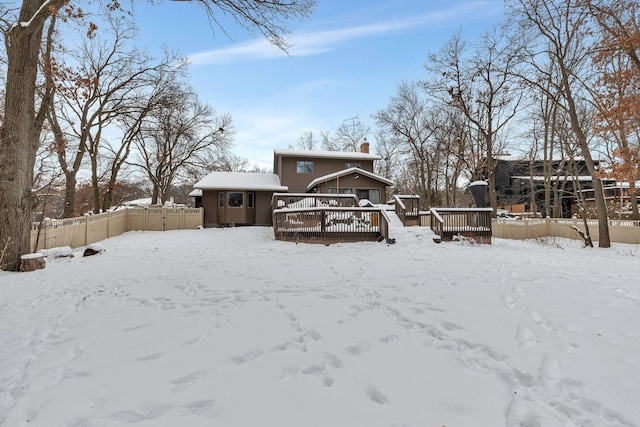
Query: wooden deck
[472, 223]
[322, 218]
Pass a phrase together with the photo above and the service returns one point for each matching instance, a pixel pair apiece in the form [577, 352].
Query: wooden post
[86, 230]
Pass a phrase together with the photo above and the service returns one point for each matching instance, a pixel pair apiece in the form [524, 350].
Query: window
[250, 197]
[236, 200]
[221, 199]
[343, 190]
[372, 195]
[304, 167]
[351, 165]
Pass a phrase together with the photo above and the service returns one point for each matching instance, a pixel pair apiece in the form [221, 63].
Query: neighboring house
[245, 198]
[617, 197]
[517, 178]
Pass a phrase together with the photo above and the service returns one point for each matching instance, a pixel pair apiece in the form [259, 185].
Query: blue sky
[345, 61]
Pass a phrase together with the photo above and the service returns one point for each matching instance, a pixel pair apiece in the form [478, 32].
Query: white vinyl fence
[620, 231]
[89, 229]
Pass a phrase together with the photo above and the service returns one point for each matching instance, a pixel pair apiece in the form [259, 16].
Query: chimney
[364, 147]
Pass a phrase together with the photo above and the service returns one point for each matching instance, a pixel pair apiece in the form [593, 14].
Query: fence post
[108, 224]
[47, 224]
[164, 218]
[86, 230]
[146, 216]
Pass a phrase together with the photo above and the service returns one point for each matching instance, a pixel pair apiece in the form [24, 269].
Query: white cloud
[313, 43]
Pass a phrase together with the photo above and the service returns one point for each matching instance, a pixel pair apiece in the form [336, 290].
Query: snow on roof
[585, 178]
[510, 158]
[478, 183]
[196, 193]
[622, 185]
[240, 181]
[349, 171]
[326, 154]
[526, 158]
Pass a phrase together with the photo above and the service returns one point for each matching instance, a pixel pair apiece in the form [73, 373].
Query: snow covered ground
[227, 327]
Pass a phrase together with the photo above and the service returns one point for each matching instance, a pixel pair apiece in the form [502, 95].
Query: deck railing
[473, 223]
[308, 200]
[407, 208]
[330, 224]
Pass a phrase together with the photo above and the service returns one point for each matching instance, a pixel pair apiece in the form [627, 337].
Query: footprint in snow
[518, 290]
[375, 395]
[314, 334]
[358, 349]
[550, 371]
[508, 301]
[389, 338]
[152, 356]
[333, 360]
[320, 370]
[244, 358]
[526, 337]
[539, 319]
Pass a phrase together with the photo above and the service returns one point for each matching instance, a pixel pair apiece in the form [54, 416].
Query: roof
[196, 193]
[584, 178]
[355, 155]
[345, 172]
[241, 181]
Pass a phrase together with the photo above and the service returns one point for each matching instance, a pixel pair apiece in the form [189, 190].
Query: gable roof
[241, 181]
[352, 155]
[345, 172]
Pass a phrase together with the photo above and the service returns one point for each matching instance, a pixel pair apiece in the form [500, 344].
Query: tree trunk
[69, 195]
[491, 175]
[20, 134]
[633, 195]
[107, 200]
[604, 240]
[95, 185]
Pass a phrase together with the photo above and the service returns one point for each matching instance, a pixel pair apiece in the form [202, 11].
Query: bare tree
[389, 147]
[409, 118]
[559, 29]
[348, 137]
[133, 115]
[180, 133]
[453, 157]
[94, 94]
[22, 120]
[480, 87]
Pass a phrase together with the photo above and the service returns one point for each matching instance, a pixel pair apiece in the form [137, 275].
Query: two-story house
[245, 198]
[522, 181]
